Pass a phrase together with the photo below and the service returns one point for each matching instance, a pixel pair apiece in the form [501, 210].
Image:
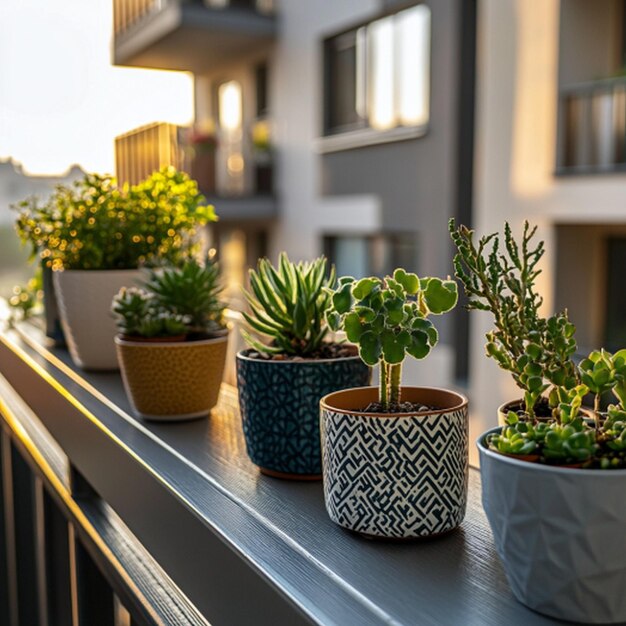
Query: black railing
[592, 127]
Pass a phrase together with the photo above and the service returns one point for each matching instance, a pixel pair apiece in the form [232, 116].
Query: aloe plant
[388, 319]
[287, 305]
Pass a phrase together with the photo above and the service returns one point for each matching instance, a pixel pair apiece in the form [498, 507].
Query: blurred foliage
[94, 224]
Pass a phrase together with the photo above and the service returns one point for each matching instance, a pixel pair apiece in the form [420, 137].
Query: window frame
[362, 133]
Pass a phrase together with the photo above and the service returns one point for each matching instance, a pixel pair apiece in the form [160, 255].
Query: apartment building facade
[338, 127]
[550, 149]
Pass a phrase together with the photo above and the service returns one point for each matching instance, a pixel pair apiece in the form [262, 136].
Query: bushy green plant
[499, 277]
[94, 224]
[173, 301]
[287, 305]
[26, 297]
[388, 319]
[139, 315]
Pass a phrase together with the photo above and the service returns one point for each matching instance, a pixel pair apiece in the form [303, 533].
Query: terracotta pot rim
[165, 344]
[325, 403]
[541, 467]
[244, 357]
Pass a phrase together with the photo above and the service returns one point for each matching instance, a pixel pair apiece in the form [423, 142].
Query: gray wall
[589, 46]
[414, 179]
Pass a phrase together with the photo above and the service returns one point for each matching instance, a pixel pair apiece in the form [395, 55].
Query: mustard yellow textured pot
[172, 381]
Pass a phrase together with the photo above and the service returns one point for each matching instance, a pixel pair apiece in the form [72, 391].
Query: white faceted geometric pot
[561, 535]
[84, 299]
[401, 475]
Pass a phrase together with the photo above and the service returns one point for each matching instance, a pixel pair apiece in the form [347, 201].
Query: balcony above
[189, 35]
[592, 127]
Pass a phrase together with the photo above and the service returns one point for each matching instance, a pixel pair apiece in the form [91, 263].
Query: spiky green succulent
[287, 306]
[192, 291]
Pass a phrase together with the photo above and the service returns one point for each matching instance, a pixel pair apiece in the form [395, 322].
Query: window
[371, 255]
[615, 333]
[378, 76]
[260, 79]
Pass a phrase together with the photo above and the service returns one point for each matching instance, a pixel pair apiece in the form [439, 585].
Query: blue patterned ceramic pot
[279, 402]
[560, 535]
[395, 475]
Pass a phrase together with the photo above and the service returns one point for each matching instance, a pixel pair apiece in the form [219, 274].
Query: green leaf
[333, 319]
[354, 328]
[364, 287]
[409, 281]
[419, 347]
[439, 295]
[393, 348]
[370, 348]
[342, 299]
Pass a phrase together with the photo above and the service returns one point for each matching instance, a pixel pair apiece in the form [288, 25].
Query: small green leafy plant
[174, 301]
[388, 319]
[94, 224]
[287, 305]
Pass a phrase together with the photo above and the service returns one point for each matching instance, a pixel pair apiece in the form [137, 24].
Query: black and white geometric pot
[400, 475]
[561, 535]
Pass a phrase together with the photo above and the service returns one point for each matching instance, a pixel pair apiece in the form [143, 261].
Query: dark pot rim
[244, 357]
[326, 402]
[540, 467]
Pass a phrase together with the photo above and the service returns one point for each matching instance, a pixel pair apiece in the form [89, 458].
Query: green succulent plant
[192, 291]
[287, 305]
[388, 319]
[138, 315]
[95, 224]
[569, 443]
[499, 276]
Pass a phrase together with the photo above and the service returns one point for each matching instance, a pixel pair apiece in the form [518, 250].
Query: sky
[61, 101]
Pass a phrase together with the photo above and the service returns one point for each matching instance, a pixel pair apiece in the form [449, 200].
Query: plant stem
[596, 409]
[396, 378]
[384, 381]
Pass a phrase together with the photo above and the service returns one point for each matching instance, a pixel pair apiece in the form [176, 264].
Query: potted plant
[556, 511]
[202, 148]
[395, 458]
[282, 377]
[172, 342]
[96, 236]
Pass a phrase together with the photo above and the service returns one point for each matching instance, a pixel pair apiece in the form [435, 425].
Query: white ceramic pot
[395, 475]
[560, 535]
[84, 299]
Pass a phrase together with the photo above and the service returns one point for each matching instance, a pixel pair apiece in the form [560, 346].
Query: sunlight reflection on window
[413, 64]
[230, 109]
[382, 75]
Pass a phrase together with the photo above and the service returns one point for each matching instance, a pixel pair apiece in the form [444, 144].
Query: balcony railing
[189, 35]
[128, 12]
[144, 150]
[592, 127]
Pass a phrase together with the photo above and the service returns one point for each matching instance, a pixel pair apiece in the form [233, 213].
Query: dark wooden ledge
[234, 547]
